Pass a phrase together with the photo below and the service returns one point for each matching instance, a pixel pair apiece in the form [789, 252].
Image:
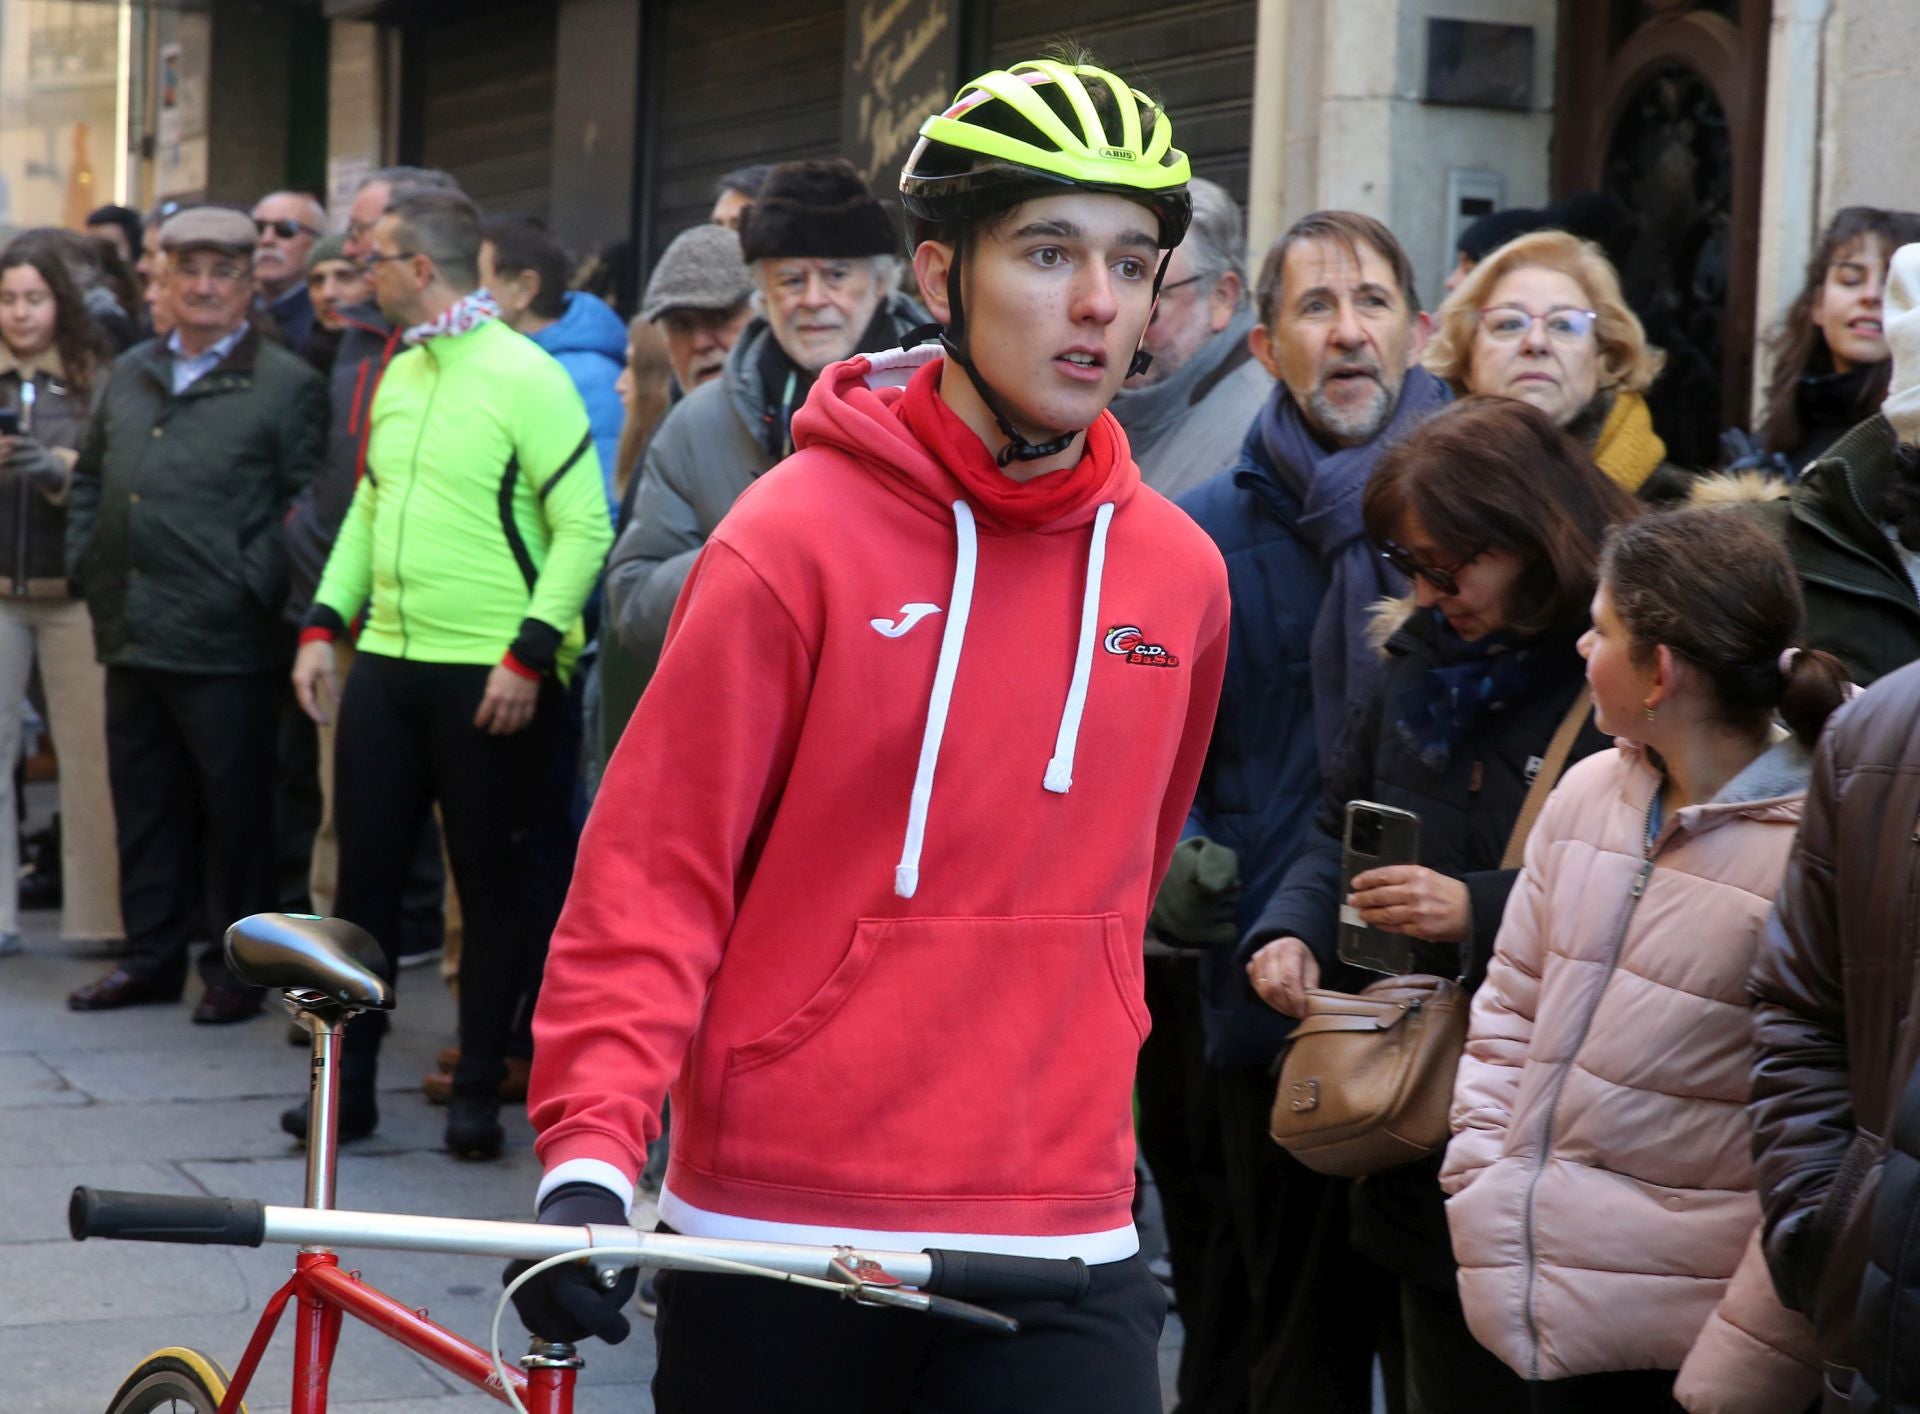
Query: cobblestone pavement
[140, 1099]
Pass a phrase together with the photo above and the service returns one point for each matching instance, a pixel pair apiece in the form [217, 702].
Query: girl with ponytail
[1599, 1108]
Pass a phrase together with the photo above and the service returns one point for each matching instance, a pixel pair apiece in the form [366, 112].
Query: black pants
[744, 1345]
[1448, 1371]
[1319, 1309]
[406, 740]
[191, 762]
[1180, 1138]
[1614, 1392]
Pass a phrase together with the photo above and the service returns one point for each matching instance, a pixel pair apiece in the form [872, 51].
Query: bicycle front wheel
[173, 1381]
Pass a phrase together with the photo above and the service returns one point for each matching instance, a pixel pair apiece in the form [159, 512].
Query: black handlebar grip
[990, 1276]
[166, 1217]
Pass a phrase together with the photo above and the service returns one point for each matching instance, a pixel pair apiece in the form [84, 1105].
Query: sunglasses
[1441, 579]
[286, 227]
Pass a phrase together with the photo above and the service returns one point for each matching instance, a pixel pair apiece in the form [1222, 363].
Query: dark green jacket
[175, 520]
[1860, 604]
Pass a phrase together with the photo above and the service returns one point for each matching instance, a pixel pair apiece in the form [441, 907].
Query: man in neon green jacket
[472, 542]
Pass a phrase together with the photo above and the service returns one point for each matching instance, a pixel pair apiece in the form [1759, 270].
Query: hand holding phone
[1377, 837]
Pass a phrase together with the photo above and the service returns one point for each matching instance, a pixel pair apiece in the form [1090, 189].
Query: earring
[1648, 705]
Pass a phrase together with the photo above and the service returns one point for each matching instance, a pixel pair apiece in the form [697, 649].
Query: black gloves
[44, 471]
[1195, 905]
[567, 1302]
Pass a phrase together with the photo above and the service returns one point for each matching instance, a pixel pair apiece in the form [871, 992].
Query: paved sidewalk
[141, 1099]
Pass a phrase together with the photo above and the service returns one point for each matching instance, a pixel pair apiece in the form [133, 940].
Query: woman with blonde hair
[1542, 320]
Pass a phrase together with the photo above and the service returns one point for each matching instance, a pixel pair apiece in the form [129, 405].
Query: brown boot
[438, 1087]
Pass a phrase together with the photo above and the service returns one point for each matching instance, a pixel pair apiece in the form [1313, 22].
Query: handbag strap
[1544, 780]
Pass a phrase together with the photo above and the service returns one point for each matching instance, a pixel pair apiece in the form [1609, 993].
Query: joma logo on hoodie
[910, 614]
[1130, 643]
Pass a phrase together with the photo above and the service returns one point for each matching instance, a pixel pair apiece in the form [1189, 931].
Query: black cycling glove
[567, 1302]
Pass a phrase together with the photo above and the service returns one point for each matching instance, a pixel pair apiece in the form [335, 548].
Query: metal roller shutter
[752, 81]
[486, 103]
[1197, 56]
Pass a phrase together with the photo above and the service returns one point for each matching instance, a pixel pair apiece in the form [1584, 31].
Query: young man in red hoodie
[866, 880]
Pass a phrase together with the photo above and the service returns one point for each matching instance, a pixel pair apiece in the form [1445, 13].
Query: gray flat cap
[209, 228]
[701, 269]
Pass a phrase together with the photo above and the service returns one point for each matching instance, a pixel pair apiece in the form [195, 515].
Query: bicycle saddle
[301, 952]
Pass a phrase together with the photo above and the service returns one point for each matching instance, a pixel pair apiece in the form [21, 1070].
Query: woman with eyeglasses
[1496, 516]
[1542, 320]
[53, 368]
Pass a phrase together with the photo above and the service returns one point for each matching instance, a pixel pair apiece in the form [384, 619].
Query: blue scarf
[1444, 706]
[1329, 484]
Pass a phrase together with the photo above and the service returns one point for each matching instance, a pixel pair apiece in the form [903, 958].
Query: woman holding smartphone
[1496, 516]
[1601, 1104]
[53, 366]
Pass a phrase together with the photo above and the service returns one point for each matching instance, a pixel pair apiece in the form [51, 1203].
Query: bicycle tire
[175, 1380]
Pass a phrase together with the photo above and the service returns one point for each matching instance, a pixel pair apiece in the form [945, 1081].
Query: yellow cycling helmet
[1041, 128]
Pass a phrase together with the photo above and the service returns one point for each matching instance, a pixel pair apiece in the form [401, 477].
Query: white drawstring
[906, 875]
[1059, 775]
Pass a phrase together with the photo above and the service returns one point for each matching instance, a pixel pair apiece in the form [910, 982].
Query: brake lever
[867, 1283]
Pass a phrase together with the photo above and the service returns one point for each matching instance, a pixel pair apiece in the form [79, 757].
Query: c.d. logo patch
[1130, 643]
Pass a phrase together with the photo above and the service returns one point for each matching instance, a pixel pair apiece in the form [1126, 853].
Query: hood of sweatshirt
[588, 326]
[857, 408]
[884, 411]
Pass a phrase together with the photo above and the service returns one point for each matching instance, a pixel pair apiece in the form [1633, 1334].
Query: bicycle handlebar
[974, 1276]
[243, 1222]
[166, 1217]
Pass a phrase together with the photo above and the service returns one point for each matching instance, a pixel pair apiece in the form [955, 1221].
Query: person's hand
[1414, 901]
[315, 681]
[508, 703]
[34, 462]
[567, 1302]
[1196, 902]
[1282, 973]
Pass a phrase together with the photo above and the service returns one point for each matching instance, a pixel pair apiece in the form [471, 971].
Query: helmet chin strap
[1018, 448]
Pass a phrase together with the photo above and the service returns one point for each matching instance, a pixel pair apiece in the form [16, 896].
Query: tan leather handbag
[1366, 1080]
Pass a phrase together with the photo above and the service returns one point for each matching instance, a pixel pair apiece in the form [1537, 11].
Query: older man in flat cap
[174, 535]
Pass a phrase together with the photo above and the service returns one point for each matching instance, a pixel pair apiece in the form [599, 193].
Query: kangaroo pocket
[949, 1057]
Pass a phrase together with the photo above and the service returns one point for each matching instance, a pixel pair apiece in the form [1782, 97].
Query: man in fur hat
[824, 257]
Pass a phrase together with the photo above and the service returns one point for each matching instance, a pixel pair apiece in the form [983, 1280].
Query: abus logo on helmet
[1129, 642]
[1118, 153]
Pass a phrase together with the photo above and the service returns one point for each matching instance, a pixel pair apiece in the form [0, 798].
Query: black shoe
[224, 1003]
[473, 1127]
[359, 1114]
[122, 988]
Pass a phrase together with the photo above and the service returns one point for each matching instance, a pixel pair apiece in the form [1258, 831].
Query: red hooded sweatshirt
[866, 880]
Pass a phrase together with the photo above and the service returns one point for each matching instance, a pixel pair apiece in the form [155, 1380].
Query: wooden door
[1661, 105]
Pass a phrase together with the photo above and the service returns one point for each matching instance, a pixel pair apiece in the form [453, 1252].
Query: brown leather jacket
[1835, 987]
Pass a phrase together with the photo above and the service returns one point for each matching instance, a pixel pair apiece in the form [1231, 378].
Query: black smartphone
[1377, 835]
[9, 422]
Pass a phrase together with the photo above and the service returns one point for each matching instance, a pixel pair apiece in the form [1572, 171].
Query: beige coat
[1600, 1170]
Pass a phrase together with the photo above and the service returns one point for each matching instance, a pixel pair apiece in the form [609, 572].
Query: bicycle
[329, 972]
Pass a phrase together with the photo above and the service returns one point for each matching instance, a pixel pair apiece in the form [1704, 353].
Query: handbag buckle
[1306, 1096]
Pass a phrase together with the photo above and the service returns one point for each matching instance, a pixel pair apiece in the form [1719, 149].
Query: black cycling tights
[407, 740]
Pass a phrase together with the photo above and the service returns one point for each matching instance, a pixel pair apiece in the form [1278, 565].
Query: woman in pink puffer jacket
[1602, 1204]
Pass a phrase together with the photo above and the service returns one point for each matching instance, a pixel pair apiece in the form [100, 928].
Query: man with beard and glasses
[1188, 410]
[821, 251]
[1281, 1311]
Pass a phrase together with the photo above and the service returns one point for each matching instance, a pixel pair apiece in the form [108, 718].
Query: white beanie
[1902, 324]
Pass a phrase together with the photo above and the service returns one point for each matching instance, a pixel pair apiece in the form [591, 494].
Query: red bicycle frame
[325, 1294]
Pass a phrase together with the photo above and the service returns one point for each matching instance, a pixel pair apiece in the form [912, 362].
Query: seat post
[323, 1108]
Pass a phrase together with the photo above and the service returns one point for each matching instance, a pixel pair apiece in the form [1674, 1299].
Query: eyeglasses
[373, 258]
[286, 227]
[1441, 579]
[1508, 323]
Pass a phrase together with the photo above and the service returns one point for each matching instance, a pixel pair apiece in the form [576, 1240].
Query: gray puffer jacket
[708, 450]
